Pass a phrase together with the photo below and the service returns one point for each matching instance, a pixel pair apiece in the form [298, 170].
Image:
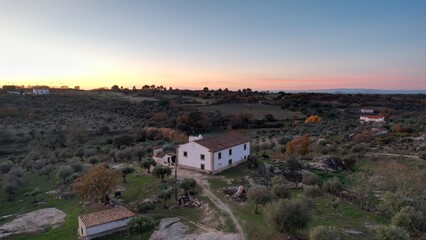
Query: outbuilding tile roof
[106, 216]
[223, 141]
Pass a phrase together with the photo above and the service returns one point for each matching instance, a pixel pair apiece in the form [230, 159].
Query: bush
[140, 225]
[409, 219]
[281, 191]
[289, 216]
[77, 167]
[390, 232]
[64, 172]
[144, 207]
[311, 179]
[5, 167]
[277, 180]
[332, 185]
[324, 233]
[391, 203]
[312, 191]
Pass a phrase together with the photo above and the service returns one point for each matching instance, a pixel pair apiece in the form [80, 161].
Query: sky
[235, 44]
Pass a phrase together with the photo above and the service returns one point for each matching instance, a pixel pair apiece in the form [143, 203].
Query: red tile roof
[223, 141]
[106, 216]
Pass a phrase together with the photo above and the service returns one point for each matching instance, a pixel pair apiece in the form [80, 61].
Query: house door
[230, 162]
[219, 166]
[202, 166]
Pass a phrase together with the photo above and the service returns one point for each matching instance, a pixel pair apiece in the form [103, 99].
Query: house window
[245, 146]
[202, 157]
[219, 156]
[230, 151]
[202, 166]
[230, 162]
[185, 154]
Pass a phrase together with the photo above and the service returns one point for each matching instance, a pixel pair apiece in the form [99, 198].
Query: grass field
[258, 111]
[346, 216]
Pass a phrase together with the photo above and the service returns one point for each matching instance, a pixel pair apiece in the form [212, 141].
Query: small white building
[40, 91]
[372, 118]
[212, 155]
[104, 222]
[163, 158]
[367, 111]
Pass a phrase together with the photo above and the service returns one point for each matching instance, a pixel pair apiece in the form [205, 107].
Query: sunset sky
[263, 45]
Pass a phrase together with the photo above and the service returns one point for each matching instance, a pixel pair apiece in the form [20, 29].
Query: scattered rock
[170, 229]
[353, 232]
[327, 163]
[32, 222]
[53, 192]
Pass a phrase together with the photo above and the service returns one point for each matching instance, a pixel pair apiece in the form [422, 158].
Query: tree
[147, 163]
[115, 88]
[79, 153]
[144, 207]
[47, 170]
[96, 183]
[140, 224]
[391, 203]
[293, 164]
[289, 216]
[259, 195]
[64, 172]
[162, 171]
[93, 160]
[139, 152]
[5, 167]
[33, 194]
[313, 119]
[10, 188]
[324, 233]
[187, 184]
[165, 194]
[298, 146]
[125, 171]
[125, 140]
[281, 191]
[390, 232]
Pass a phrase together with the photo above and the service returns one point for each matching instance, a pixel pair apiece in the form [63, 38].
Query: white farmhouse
[372, 118]
[104, 222]
[40, 91]
[367, 110]
[212, 155]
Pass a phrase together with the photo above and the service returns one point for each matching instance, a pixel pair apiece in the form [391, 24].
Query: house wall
[80, 227]
[106, 228]
[238, 155]
[40, 91]
[367, 119]
[193, 159]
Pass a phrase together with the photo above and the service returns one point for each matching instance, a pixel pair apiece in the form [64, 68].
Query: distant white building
[372, 118]
[212, 155]
[104, 222]
[40, 91]
[366, 110]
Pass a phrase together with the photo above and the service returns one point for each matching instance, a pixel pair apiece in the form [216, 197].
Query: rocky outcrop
[32, 222]
[327, 163]
[173, 229]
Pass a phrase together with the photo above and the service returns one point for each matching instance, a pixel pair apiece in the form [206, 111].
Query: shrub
[281, 191]
[140, 224]
[312, 179]
[5, 167]
[390, 232]
[332, 185]
[77, 167]
[144, 207]
[409, 219]
[324, 233]
[279, 180]
[391, 203]
[312, 191]
[289, 215]
[64, 172]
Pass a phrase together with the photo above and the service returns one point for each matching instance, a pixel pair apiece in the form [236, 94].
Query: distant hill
[360, 91]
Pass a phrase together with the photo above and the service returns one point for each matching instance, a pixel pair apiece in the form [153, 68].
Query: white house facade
[367, 110]
[41, 91]
[372, 118]
[212, 155]
[104, 222]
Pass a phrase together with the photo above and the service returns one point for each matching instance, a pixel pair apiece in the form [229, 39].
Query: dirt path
[202, 181]
[393, 155]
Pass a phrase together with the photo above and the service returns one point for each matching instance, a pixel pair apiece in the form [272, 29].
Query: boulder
[32, 222]
[327, 163]
[170, 229]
